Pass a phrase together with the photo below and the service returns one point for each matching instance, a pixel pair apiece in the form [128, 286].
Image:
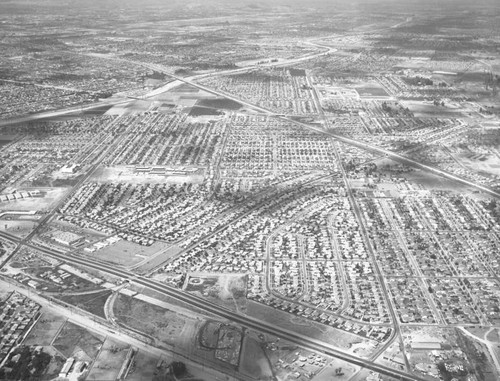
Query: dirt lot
[93, 303]
[18, 228]
[165, 325]
[45, 330]
[228, 290]
[341, 339]
[144, 369]
[52, 196]
[254, 360]
[110, 360]
[345, 372]
[127, 253]
[166, 253]
[74, 340]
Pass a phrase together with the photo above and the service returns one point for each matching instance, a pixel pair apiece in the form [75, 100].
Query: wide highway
[356, 143]
[243, 320]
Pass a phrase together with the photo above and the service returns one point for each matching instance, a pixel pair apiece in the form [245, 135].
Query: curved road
[249, 322]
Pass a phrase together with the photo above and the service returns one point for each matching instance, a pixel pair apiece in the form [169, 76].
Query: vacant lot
[110, 360]
[337, 337]
[74, 340]
[371, 91]
[18, 228]
[51, 197]
[163, 324]
[337, 370]
[45, 330]
[93, 303]
[144, 368]
[222, 103]
[127, 253]
[254, 360]
[226, 290]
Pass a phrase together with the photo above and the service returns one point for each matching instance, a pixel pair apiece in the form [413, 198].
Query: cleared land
[50, 198]
[254, 360]
[74, 340]
[110, 360]
[127, 253]
[93, 303]
[45, 330]
[165, 325]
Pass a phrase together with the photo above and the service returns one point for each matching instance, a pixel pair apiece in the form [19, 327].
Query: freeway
[11, 238]
[64, 111]
[246, 321]
[400, 158]
[353, 142]
[169, 86]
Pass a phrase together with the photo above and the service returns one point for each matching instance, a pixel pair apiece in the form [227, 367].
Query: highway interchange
[243, 320]
[246, 321]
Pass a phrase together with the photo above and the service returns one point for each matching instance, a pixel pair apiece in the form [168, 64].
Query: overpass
[243, 320]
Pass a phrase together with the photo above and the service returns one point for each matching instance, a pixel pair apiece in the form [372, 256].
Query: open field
[158, 259]
[19, 228]
[371, 90]
[493, 335]
[165, 325]
[93, 303]
[129, 108]
[144, 367]
[254, 360]
[427, 109]
[110, 360]
[50, 198]
[127, 253]
[489, 164]
[337, 370]
[228, 290]
[45, 330]
[74, 340]
[339, 338]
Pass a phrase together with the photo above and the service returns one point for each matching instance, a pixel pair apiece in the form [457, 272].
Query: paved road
[64, 111]
[353, 142]
[487, 343]
[246, 321]
[94, 325]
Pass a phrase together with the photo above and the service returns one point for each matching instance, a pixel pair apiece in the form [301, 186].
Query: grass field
[371, 91]
[110, 360]
[93, 303]
[254, 361]
[144, 369]
[227, 290]
[45, 329]
[493, 335]
[329, 372]
[209, 334]
[18, 228]
[74, 340]
[222, 103]
[339, 338]
[163, 324]
[166, 254]
[127, 253]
